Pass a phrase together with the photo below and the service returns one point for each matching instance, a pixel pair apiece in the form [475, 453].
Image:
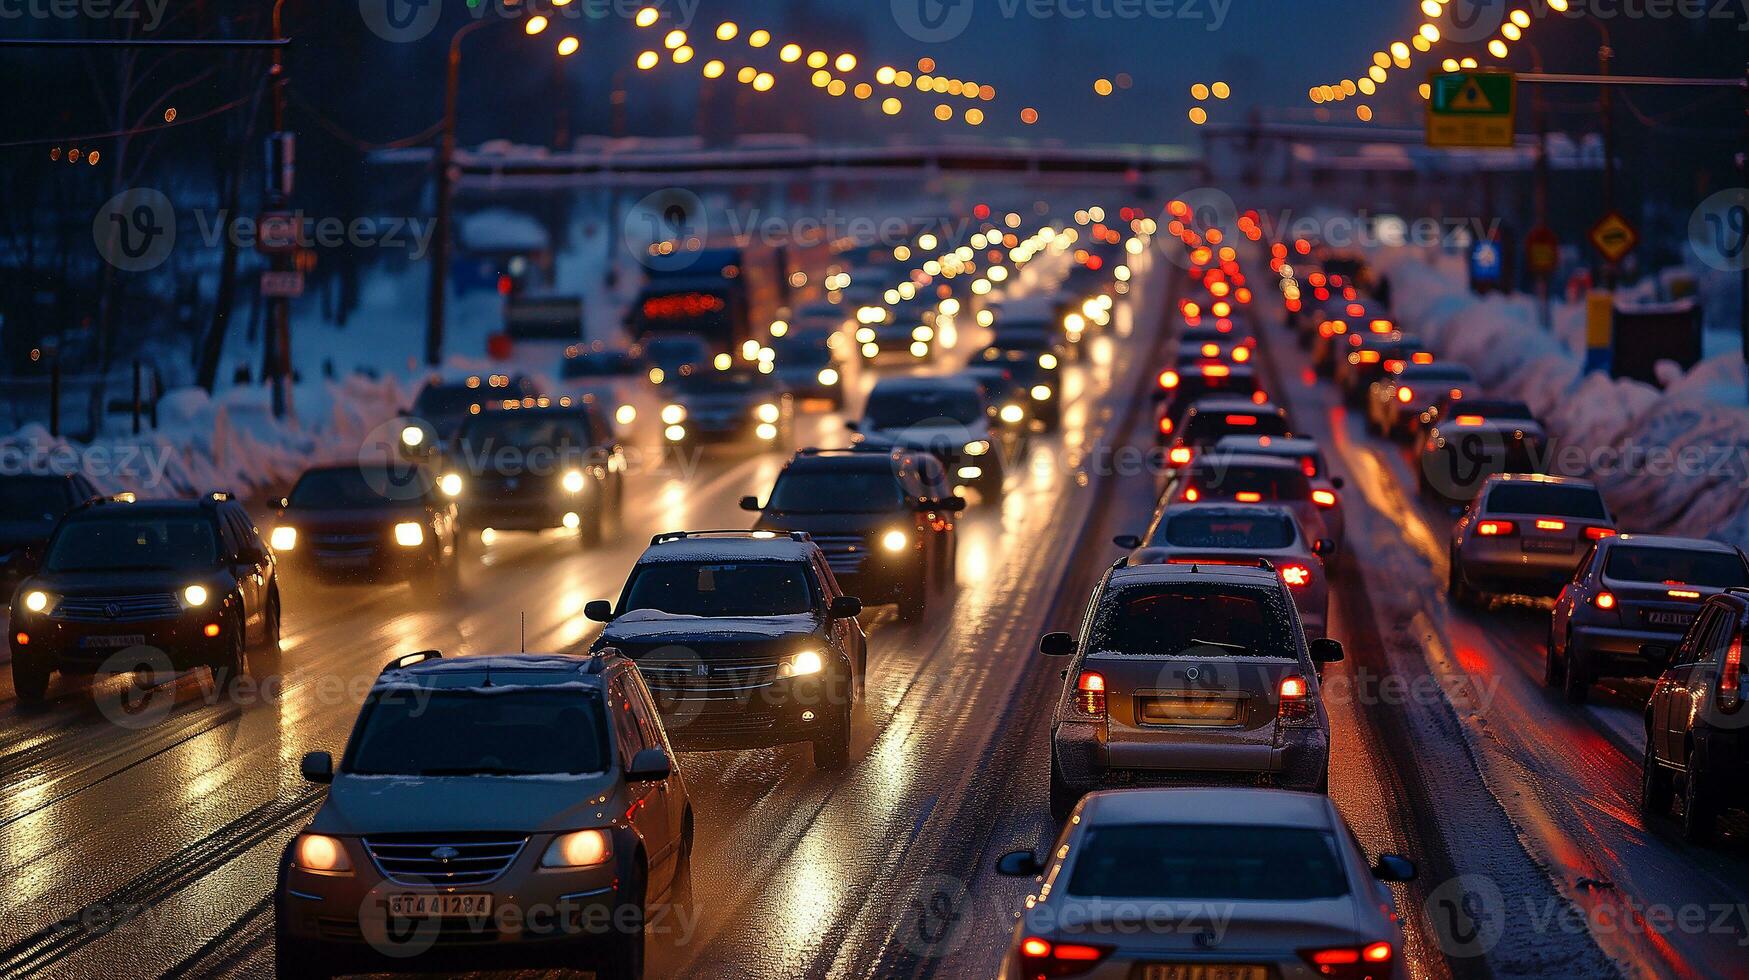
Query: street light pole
[440, 236]
[279, 187]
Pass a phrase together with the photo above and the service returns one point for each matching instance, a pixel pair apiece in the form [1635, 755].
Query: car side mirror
[1323, 546]
[1337, 482]
[845, 607]
[1019, 864]
[317, 767]
[282, 503]
[649, 766]
[599, 610]
[1056, 645]
[1326, 651]
[750, 503]
[1130, 541]
[1394, 867]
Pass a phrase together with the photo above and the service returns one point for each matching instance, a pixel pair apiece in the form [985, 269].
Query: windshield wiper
[1242, 648]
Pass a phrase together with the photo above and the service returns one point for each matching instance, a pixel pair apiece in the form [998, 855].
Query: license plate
[1203, 971]
[1655, 618]
[1189, 711]
[1554, 545]
[117, 642]
[439, 906]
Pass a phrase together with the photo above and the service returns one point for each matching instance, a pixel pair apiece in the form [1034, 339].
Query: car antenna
[522, 639]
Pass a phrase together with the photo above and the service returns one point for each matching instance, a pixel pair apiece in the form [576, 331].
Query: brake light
[1211, 350]
[1470, 420]
[1168, 379]
[1405, 394]
[1323, 498]
[1495, 529]
[1545, 524]
[1731, 676]
[1351, 963]
[1191, 495]
[1090, 693]
[1293, 697]
[1216, 371]
[1241, 420]
[1248, 496]
[1258, 397]
[1241, 354]
[1354, 309]
[1394, 365]
[1369, 357]
[1298, 576]
[1683, 594]
[1380, 326]
[1165, 425]
[1180, 455]
[1308, 465]
[1599, 533]
[1421, 357]
[1604, 600]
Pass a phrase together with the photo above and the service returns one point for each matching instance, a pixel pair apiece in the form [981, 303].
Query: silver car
[1207, 884]
[1524, 534]
[1246, 478]
[1188, 675]
[1222, 534]
[1629, 603]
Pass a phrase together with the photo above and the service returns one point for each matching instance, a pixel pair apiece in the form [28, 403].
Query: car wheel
[624, 956]
[1063, 798]
[231, 662]
[680, 894]
[1576, 685]
[1698, 814]
[1552, 672]
[832, 751]
[274, 621]
[30, 682]
[1657, 785]
[1456, 587]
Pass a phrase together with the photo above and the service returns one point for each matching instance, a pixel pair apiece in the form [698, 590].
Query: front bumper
[68, 646]
[1300, 760]
[784, 713]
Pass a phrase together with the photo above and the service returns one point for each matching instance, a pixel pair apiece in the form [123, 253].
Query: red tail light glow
[1043, 958]
[1241, 354]
[1180, 455]
[1369, 357]
[1323, 498]
[1351, 963]
[1165, 425]
[1211, 350]
[1599, 533]
[1298, 576]
[1090, 693]
[1293, 697]
[1683, 594]
[1470, 420]
[1259, 397]
[1248, 497]
[1405, 394]
[1308, 466]
[1495, 529]
[1421, 357]
[1168, 379]
[1380, 326]
[1394, 365]
[1545, 524]
[1604, 600]
[1216, 371]
[1241, 420]
[1731, 677]
[1191, 495]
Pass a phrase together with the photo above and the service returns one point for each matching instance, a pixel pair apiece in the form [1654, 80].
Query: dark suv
[885, 520]
[1695, 721]
[745, 640]
[126, 585]
[533, 469]
[30, 504]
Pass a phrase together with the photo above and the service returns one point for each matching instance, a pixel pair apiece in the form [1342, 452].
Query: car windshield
[1261, 531]
[509, 732]
[359, 487]
[526, 431]
[837, 491]
[1197, 619]
[110, 542]
[720, 588]
[1675, 566]
[1205, 427]
[1551, 499]
[1208, 862]
[896, 409]
[1248, 482]
[445, 400]
[33, 499]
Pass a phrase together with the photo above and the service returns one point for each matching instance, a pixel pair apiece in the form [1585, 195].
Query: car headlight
[450, 484]
[656, 376]
[195, 595]
[626, 414]
[409, 534]
[579, 849]
[572, 481]
[895, 540]
[412, 437]
[1013, 414]
[673, 414]
[767, 412]
[36, 601]
[865, 335]
[1041, 393]
[319, 852]
[828, 376]
[977, 447]
[674, 433]
[283, 538]
[802, 664]
[925, 334]
[1048, 361]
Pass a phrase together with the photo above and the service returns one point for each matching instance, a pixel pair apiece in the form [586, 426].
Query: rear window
[1241, 481]
[1204, 428]
[1551, 499]
[1208, 862]
[1262, 531]
[1196, 619]
[1675, 566]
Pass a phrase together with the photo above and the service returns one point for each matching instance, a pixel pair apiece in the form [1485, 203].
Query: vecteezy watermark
[1467, 21]
[147, 13]
[400, 21]
[937, 21]
[1211, 208]
[1718, 231]
[666, 228]
[1469, 913]
[1463, 459]
[140, 467]
[135, 230]
[406, 21]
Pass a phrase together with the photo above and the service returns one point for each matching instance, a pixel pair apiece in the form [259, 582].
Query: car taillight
[1393, 366]
[1421, 357]
[1211, 350]
[1168, 379]
[1731, 676]
[1405, 394]
[1216, 371]
[1308, 465]
[1298, 576]
[1470, 421]
[1241, 354]
[1323, 498]
[1192, 495]
[1604, 600]
[1259, 397]
[1090, 693]
[1294, 701]
[1165, 425]
[1043, 958]
[1545, 524]
[1241, 420]
[1599, 533]
[1248, 497]
[1495, 529]
[1351, 962]
[1180, 455]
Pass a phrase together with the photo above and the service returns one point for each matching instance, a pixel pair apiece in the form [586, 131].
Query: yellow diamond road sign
[1471, 108]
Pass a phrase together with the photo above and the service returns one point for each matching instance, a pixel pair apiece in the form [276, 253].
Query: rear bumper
[1614, 652]
[1300, 760]
[1502, 569]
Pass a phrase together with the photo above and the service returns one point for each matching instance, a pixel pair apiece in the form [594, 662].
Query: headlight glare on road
[767, 412]
[409, 534]
[802, 664]
[828, 376]
[977, 447]
[412, 437]
[450, 484]
[673, 414]
[283, 538]
[36, 601]
[895, 540]
[319, 852]
[195, 595]
[579, 849]
[572, 481]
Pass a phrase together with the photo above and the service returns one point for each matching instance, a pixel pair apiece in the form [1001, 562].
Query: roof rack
[1260, 563]
[410, 659]
[667, 536]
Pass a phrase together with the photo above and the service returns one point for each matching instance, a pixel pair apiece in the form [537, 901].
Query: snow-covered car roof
[724, 546]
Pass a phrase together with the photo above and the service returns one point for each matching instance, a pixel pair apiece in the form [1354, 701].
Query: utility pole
[440, 236]
[280, 173]
[1743, 273]
[1605, 54]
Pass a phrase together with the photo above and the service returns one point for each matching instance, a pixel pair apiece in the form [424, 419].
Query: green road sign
[1472, 108]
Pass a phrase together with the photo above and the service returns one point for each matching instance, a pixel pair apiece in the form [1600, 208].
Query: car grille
[716, 677]
[342, 546]
[846, 553]
[411, 860]
[118, 609]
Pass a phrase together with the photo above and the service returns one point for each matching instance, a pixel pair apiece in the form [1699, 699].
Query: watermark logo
[1719, 230]
[148, 695]
[666, 228]
[1472, 20]
[135, 230]
[1468, 914]
[935, 916]
[932, 21]
[400, 21]
[382, 459]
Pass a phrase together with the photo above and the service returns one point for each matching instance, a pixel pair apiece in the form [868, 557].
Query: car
[1219, 534]
[1002, 388]
[947, 417]
[1630, 600]
[364, 522]
[1365, 360]
[670, 354]
[614, 377]
[745, 639]
[1188, 674]
[126, 585]
[883, 519]
[1182, 385]
[1305, 451]
[442, 406]
[1694, 735]
[533, 789]
[538, 469]
[1234, 884]
[1209, 420]
[738, 405]
[807, 366]
[1334, 337]
[1213, 344]
[906, 329]
[1462, 448]
[1246, 479]
[1035, 361]
[30, 504]
[1524, 534]
[1400, 397]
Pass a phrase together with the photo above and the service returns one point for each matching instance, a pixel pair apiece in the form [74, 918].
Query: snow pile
[1674, 460]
